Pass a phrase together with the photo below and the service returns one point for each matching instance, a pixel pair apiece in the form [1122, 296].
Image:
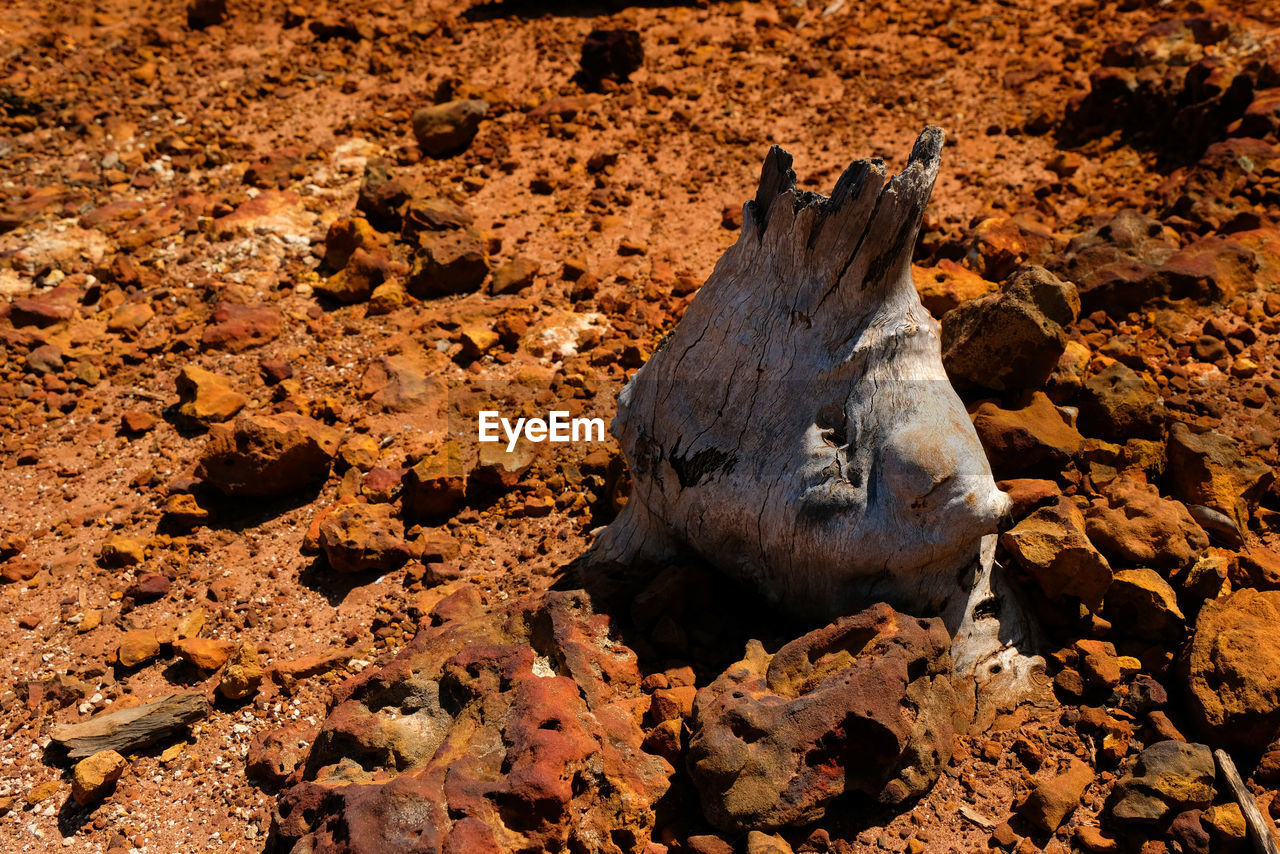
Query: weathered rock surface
[1233, 667]
[363, 537]
[1207, 469]
[518, 730]
[863, 705]
[95, 775]
[1051, 545]
[1011, 339]
[448, 128]
[268, 455]
[1169, 777]
[204, 398]
[1056, 792]
[1119, 403]
[1036, 438]
[1141, 604]
[1134, 525]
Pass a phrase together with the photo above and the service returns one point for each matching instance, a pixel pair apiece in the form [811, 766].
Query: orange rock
[137, 646]
[945, 286]
[205, 653]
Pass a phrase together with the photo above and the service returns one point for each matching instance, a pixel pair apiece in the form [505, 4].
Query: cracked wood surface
[797, 428]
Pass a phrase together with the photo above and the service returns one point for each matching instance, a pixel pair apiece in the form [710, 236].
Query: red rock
[274, 754]
[444, 129]
[771, 737]
[148, 587]
[1206, 468]
[204, 398]
[137, 647]
[204, 653]
[1056, 793]
[46, 309]
[511, 748]
[403, 382]
[237, 327]
[277, 169]
[1119, 403]
[363, 537]
[435, 488]
[18, 569]
[130, 317]
[513, 276]
[448, 262]
[135, 422]
[1035, 437]
[268, 455]
[945, 286]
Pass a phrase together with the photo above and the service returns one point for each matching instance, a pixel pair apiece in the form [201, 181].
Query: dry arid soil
[261, 265]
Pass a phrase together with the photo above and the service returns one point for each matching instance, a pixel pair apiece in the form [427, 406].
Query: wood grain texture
[130, 729]
[797, 428]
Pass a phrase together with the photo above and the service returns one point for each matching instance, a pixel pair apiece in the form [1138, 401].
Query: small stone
[135, 422]
[435, 488]
[42, 792]
[204, 653]
[941, 288]
[363, 537]
[149, 587]
[137, 647]
[45, 359]
[242, 673]
[1169, 775]
[1099, 663]
[1142, 604]
[1052, 546]
[611, 54]
[121, 551]
[236, 327]
[1011, 339]
[1119, 403]
[759, 842]
[1094, 840]
[1038, 437]
[513, 276]
[1056, 793]
[94, 776]
[268, 455]
[448, 128]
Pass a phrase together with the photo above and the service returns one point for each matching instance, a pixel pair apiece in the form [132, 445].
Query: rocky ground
[262, 265]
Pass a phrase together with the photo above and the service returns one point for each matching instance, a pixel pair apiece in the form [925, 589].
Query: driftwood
[1259, 827]
[797, 428]
[129, 729]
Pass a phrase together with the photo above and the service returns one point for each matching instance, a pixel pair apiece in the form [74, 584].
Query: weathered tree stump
[798, 431]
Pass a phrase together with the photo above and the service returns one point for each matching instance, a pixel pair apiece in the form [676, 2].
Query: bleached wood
[797, 428]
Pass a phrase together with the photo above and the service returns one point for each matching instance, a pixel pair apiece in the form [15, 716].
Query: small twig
[977, 817]
[149, 395]
[1259, 827]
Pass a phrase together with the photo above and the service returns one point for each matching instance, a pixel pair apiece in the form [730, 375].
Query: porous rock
[864, 704]
[1134, 525]
[363, 537]
[517, 730]
[1233, 667]
[268, 455]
